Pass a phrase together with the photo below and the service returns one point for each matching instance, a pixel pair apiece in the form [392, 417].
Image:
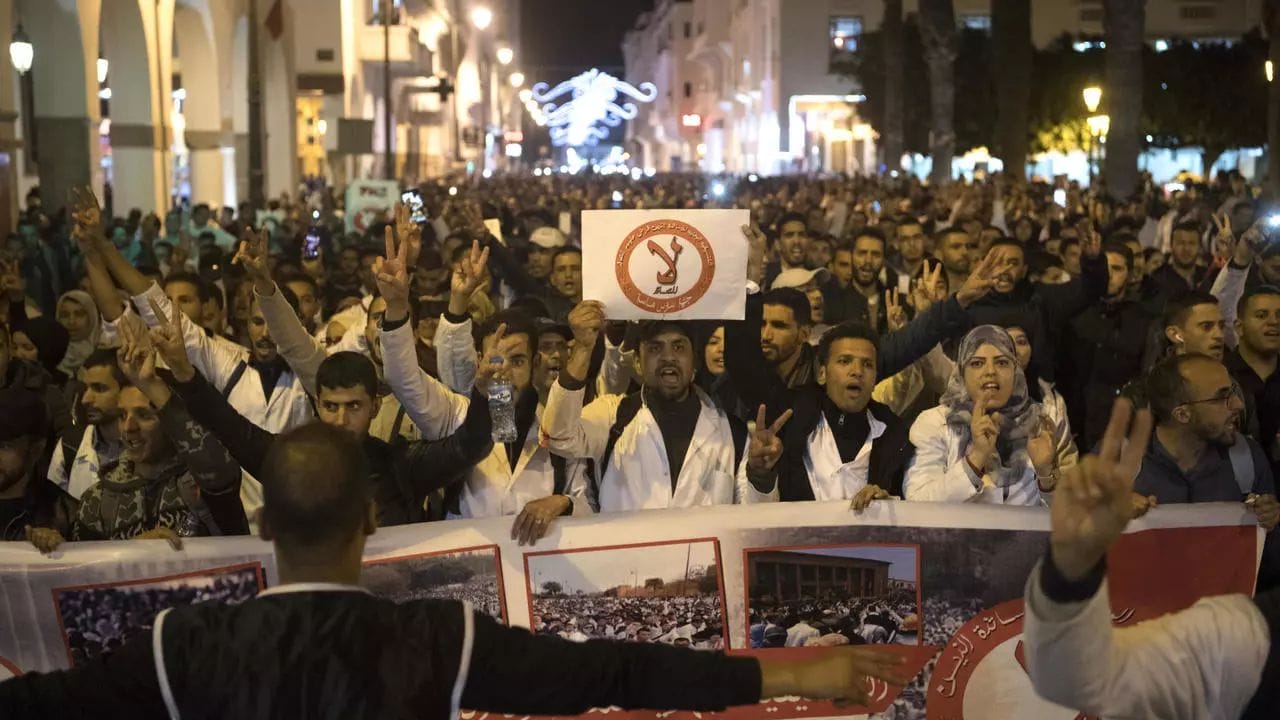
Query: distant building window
[976, 21]
[688, 90]
[1091, 14]
[688, 30]
[1197, 12]
[845, 32]
[701, 28]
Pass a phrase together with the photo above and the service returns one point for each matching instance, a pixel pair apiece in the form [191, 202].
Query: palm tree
[1011, 37]
[1272, 21]
[938, 32]
[1123, 23]
[893, 77]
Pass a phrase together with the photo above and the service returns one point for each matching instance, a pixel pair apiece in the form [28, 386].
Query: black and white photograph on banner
[668, 593]
[97, 619]
[470, 574]
[828, 596]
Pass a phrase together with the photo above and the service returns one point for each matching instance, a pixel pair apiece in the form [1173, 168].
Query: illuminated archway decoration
[576, 108]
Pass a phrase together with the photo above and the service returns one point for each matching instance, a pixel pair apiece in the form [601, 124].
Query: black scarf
[526, 413]
[269, 372]
[850, 429]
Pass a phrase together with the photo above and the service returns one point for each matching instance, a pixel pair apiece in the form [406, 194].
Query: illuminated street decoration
[593, 99]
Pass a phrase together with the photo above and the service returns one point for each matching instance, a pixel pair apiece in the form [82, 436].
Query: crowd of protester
[688, 621]
[97, 621]
[835, 620]
[902, 342]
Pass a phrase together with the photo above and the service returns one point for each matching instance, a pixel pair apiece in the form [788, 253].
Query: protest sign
[939, 584]
[674, 264]
[370, 202]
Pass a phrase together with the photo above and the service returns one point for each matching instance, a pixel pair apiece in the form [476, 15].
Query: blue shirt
[1211, 480]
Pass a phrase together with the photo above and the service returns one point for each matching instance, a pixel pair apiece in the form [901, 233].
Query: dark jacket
[1173, 285]
[44, 505]
[1107, 344]
[403, 473]
[23, 374]
[890, 452]
[342, 653]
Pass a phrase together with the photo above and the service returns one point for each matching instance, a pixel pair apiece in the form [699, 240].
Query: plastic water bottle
[502, 408]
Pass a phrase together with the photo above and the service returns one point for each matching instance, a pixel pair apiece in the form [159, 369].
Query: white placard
[676, 264]
[370, 202]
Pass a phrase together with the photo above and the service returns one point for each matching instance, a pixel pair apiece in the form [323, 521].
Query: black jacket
[890, 452]
[341, 653]
[403, 473]
[1107, 344]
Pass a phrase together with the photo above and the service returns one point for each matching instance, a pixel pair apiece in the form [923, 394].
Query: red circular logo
[665, 266]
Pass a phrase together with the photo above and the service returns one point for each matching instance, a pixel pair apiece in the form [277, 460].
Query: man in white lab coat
[668, 446]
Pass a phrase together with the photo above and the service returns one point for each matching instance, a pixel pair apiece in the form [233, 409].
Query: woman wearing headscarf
[79, 315]
[987, 441]
[42, 341]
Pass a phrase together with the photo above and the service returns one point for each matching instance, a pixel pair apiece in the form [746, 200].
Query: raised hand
[1266, 508]
[764, 446]
[136, 357]
[1143, 504]
[840, 674]
[1042, 447]
[757, 246]
[87, 217]
[1224, 240]
[252, 256]
[162, 533]
[408, 231]
[929, 289]
[467, 278]
[586, 321]
[1091, 243]
[167, 338]
[11, 280]
[1094, 500]
[392, 274]
[894, 314]
[488, 371]
[984, 429]
[982, 278]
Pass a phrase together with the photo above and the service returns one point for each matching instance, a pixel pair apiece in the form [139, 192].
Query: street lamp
[525, 95]
[481, 17]
[505, 55]
[1092, 98]
[1269, 70]
[21, 53]
[517, 79]
[103, 66]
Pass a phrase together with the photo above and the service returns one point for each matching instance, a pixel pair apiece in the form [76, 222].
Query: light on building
[1092, 97]
[514, 150]
[718, 189]
[453, 191]
[104, 94]
[1099, 125]
[636, 173]
[481, 17]
[691, 120]
[21, 52]
[103, 66]
[517, 79]
[506, 55]
[702, 149]
[525, 95]
[487, 174]
[863, 131]
[322, 126]
[650, 172]
[1267, 67]
[753, 177]
[617, 196]
[1161, 45]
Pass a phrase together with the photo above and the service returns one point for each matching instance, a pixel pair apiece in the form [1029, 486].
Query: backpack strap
[189, 491]
[627, 410]
[739, 431]
[560, 471]
[1242, 463]
[234, 379]
[71, 441]
[395, 425]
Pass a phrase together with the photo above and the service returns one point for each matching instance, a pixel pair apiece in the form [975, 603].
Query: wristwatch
[1053, 477]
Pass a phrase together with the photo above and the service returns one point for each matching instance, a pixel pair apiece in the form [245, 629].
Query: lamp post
[388, 158]
[22, 54]
[1092, 97]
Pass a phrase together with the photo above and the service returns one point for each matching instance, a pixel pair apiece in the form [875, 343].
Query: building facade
[729, 103]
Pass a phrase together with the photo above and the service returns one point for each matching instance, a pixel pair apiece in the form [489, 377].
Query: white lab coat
[638, 476]
[491, 487]
[1204, 662]
[217, 359]
[84, 466]
[939, 473]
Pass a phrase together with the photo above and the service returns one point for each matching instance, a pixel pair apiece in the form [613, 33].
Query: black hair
[870, 232]
[347, 369]
[190, 278]
[565, 249]
[317, 487]
[518, 323]
[299, 277]
[1261, 291]
[1039, 261]
[851, 330]
[1120, 249]
[793, 299]
[789, 217]
[1179, 306]
[1186, 226]
[106, 357]
[650, 329]
[1007, 242]
[1166, 385]
[950, 230]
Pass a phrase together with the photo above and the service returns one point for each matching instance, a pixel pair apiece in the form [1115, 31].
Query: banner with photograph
[676, 264]
[940, 584]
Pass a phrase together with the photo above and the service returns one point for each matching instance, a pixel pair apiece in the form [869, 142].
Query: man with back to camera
[319, 645]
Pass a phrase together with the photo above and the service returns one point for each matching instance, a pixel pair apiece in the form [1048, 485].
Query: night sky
[564, 37]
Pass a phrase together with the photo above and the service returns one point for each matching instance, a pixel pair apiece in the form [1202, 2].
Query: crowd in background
[902, 341]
